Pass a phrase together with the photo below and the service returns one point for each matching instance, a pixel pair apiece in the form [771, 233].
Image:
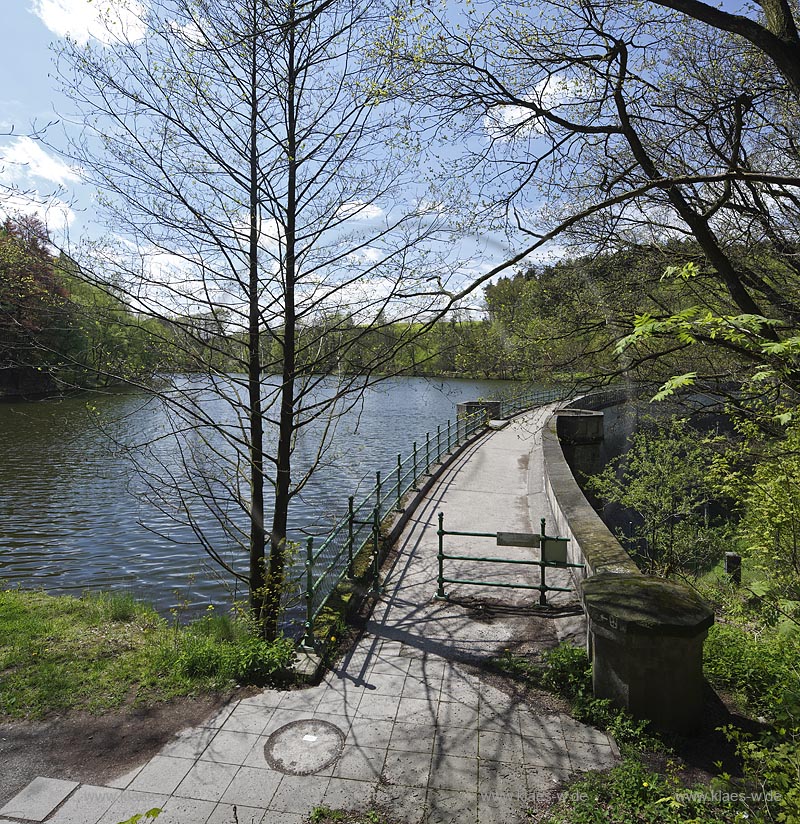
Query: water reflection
[75, 514]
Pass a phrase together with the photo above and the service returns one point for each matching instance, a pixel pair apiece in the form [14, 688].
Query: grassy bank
[101, 652]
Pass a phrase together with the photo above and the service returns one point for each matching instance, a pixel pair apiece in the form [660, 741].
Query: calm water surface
[74, 513]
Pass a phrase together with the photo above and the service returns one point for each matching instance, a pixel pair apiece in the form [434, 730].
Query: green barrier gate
[554, 554]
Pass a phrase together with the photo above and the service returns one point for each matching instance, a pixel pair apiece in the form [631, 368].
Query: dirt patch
[93, 749]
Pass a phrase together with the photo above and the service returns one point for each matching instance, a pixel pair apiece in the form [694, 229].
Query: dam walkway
[410, 722]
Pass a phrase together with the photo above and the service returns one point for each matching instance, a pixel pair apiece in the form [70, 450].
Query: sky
[30, 100]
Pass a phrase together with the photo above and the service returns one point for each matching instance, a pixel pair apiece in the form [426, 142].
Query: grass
[101, 652]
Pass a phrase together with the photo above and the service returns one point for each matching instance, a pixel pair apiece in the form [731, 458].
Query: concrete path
[405, 723]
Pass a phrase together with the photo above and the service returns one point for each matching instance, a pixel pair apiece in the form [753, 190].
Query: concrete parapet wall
[645, 634]
[591, 541]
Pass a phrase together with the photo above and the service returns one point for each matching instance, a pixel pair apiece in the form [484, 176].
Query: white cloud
[510, 121]
[26, 157]
[103, 20]
[359, 210]
[54, 212]
[25, 172]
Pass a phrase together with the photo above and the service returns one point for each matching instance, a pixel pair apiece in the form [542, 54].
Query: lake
[75, 513]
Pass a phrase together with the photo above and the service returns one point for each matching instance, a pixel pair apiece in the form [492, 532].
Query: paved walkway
[404, 723]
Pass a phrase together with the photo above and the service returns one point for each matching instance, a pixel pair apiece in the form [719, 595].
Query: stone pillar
[646, 637]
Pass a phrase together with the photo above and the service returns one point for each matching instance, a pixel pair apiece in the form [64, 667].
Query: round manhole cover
[304, 747]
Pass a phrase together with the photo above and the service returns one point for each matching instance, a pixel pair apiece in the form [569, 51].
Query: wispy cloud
[359, 210]
[102, 20]
[26, 158]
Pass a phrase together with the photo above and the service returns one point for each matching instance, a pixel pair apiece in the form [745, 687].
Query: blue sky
[29, 100]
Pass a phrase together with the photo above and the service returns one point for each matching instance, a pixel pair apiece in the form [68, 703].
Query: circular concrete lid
[304, 747]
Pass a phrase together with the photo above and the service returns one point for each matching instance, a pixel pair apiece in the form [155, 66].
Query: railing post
[416, 477]
[308, 637]
[350, 516]
[440, 532]
[427, 451]
[378, 491]
[543, 582]
[449, 447]
[438, 443]
[399, 471]
[376, 532]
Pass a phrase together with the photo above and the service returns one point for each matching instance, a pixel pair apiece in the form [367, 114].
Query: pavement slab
[424, 736]
[39, 798]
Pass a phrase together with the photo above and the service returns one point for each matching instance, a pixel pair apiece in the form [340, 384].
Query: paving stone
[456, 741]
[389, 666]
[418, 710]
[498, 746]
[412, 737]
[189, 743]
[230, 747]
[458, 690]
[449, 772]
[39, 798]
[546, 779]
[497, 778]
[122, 782]
[378, 707]
[268, 699]
[496, 809]
[305, 700]
[452, 714]
[248, 718]
[361, 763]
[161, 774]
[414, 687]
[341, 722]
[86, 805]
[401, 803]
[252, 787]
[584, 757]
[224, 814]
[575, 731]
[391, 685]
[206, 781]
[345, 705]
[449, 807]
[218, 718]
[408, 769]
[540, 752]
[186, 811]
[503, 721]
[365, 732]
[280, 718]
[130, 803]
[349, 794]
[299, 793]
[541, 726]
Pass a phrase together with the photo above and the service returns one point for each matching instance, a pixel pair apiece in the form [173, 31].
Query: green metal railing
[329, 564]
[503, 539]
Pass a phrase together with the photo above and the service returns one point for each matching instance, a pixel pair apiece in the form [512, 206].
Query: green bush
[245, 659]
[760, 668]
[631, 792]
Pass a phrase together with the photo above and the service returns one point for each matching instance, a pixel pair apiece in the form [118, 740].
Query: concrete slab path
[404, 723]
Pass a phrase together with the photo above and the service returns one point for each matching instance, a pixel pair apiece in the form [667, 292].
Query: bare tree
[260, 185]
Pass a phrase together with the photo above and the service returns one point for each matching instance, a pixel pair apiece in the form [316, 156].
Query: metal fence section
[327, 564]
[542, 541]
